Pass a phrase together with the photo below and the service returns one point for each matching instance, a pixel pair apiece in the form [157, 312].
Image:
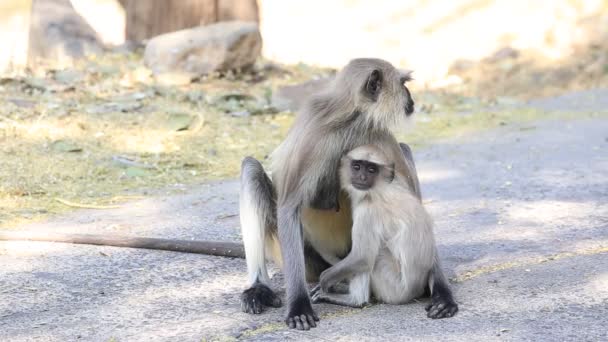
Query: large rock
[199, 51]
[58, 34]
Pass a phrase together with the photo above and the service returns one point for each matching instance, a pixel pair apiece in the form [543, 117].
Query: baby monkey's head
[365, 168]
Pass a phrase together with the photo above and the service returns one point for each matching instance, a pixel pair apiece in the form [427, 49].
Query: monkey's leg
[336, 298]
[442, 303]
[300, 314]
[413, 174]
[360, 260]
[258, 226]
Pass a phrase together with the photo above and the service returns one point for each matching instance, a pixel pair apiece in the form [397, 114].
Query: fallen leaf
[22, 103]
[241, 114]
[114, 107]
[36, 83]
[195, 96]
[132, 171]
[65, 146]
[235, 96]
[68, 76]
[125, 161]
[179, 122]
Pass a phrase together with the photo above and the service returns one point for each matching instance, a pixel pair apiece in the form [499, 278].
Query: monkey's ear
[406, 76]
[373, 84]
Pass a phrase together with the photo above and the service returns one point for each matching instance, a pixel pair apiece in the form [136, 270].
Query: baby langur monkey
[393, 247]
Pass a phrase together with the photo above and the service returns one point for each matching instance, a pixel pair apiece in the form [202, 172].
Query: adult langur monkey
[393, 249]
[301, 218]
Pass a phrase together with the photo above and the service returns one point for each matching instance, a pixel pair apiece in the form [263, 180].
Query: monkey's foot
[319, 296]
[257, 297]
[301, 316]
[441, 308]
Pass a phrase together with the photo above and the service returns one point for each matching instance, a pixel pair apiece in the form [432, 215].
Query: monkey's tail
[217, 248]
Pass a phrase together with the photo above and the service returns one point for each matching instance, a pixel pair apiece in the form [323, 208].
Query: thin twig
[87, 206]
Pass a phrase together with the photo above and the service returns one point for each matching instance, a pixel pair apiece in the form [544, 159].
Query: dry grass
[101, 135]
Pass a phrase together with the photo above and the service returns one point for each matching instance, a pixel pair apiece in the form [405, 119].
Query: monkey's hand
[317, 295]
[301, 316]
[441, 307]
[326, 280]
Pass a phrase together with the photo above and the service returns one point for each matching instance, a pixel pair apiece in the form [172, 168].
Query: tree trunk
[246, 10]
[149, 18]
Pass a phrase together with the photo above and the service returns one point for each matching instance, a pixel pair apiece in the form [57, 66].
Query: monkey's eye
[356, 167]
[372, 169]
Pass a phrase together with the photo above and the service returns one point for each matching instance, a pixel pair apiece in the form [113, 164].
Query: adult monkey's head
[378, 90]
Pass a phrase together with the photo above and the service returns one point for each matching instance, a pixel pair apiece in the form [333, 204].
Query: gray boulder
[201, 50]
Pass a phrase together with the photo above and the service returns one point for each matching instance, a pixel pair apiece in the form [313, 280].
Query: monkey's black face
[363, 174]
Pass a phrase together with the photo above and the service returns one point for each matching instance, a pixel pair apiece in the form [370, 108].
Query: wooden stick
[86, 206]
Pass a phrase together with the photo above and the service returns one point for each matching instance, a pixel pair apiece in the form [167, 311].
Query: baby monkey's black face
[363, 174]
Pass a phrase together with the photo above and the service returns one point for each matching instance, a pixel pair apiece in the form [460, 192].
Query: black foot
[257, 297]
[441, 307]
[301, 316]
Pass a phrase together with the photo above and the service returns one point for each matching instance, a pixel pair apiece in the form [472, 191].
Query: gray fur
[393, 245]
[305, 170]
[393, 255]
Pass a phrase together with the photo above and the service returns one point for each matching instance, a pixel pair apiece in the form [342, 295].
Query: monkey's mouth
[361, 186]
[409, 107]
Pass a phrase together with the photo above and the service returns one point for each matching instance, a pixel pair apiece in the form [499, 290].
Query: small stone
[293, 97]
[25, 103]
[241, 114]
[503, 54]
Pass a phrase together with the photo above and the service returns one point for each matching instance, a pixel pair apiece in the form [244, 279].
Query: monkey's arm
[345, 269]
[327, 190]
[412, 174]
[365, 249]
